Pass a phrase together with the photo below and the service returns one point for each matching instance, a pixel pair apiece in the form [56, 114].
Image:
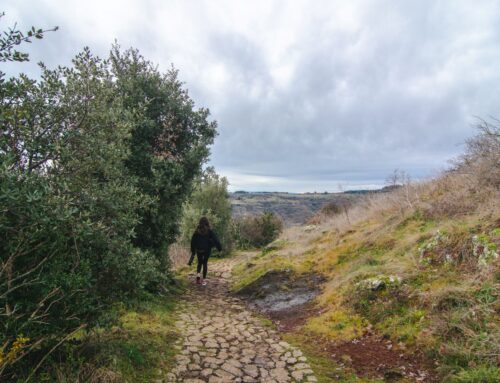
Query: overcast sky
[307, 94]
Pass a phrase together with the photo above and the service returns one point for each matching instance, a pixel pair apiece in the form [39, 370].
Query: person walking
[202, 242]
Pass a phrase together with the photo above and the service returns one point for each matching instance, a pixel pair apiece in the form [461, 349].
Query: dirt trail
[224, 342]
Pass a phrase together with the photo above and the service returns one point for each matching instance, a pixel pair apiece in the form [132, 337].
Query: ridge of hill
[293, 208]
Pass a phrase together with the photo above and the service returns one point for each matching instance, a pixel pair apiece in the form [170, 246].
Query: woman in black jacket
[201, 244]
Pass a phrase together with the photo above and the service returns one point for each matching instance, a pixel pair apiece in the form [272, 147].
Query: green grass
[481, 374]
[337, 325]
[140, 348]
[246, 273]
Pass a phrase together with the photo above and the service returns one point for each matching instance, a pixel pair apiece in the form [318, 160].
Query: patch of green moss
[405, 327]
[337, 325]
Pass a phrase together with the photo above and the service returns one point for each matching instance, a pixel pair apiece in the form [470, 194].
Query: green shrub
[169, 141]
[92, 176]
[257, 231]
[331, 208]
[482, 374]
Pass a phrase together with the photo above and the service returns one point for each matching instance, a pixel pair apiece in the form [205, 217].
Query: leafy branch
[13, 37]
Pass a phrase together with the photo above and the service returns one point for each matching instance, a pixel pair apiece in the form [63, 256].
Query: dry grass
[471, 186]
[104, 375]
[449, 195]
[89, 374]
[179, 255]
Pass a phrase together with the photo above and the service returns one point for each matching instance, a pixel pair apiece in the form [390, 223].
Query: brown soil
[370, 356]
[293, 318]
[373, 356]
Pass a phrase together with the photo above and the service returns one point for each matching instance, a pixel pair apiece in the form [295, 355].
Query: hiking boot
[204, 283]
[198, 280]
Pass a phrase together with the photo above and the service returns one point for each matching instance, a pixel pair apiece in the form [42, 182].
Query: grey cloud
[390, 85]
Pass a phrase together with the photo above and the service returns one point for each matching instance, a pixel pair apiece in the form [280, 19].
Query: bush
[257, 231]
[331, 209]
[90, 184]
[481, 160]
[169, 141]
[473, 181]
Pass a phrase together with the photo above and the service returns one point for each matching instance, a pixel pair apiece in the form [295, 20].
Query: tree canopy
[96, 160]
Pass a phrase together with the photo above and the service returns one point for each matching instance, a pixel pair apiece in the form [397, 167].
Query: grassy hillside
[418, 266]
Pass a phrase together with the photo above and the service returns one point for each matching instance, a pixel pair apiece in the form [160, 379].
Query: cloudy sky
[309, 95]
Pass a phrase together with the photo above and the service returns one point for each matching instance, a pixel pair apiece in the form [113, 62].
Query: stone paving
[224, 342]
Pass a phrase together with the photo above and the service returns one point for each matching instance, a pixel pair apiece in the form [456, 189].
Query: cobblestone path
[224, 342]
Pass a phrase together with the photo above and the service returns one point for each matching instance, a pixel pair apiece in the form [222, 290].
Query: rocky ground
[222, 341]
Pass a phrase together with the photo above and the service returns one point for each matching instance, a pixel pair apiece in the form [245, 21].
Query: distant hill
[293, 208]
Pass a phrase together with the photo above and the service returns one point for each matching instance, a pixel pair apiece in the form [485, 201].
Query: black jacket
[202, 244]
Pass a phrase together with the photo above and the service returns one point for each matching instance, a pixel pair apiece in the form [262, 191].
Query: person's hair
[203, 226]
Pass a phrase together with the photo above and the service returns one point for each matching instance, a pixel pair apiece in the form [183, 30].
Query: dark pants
[202, 262]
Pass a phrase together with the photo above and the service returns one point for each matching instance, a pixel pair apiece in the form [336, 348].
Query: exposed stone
[234, 363]
[301, 366]
[302, 359]
[206, 372]
[211, 345]
[298, 375]
[280, 374]
[280, 364]
[251, 370]
[307, 371]
[224, 374]
[170, 377]
[231, 369]
[263, 372]
[224, 342]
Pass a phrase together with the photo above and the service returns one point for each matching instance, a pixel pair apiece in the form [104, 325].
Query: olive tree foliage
[95, 161]
[209, 198]
[169, 141]
[13, 37]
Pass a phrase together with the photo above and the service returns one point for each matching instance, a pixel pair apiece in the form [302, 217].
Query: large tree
[95, 162]
[169, 143]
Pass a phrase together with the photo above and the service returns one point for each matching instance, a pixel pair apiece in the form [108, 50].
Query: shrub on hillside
[258, 230]
[481, 160]
[331, 208]
[473, 181]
